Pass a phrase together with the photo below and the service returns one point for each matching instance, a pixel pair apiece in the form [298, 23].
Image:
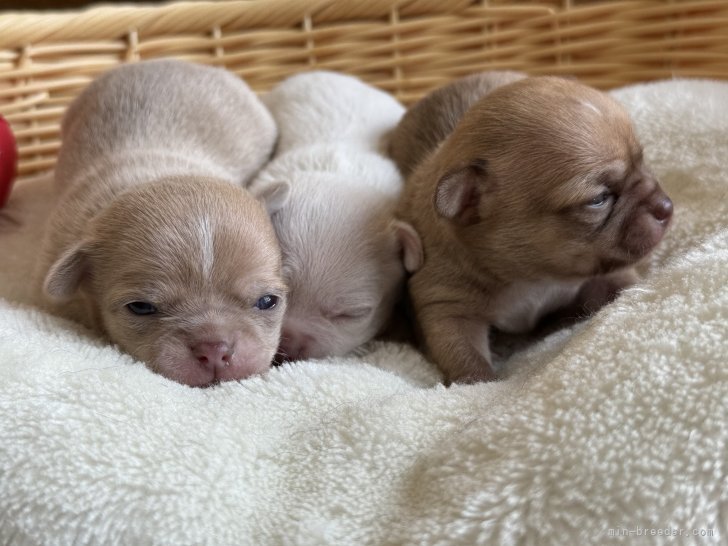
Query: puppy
[171, 260]
[433, 118]
[539, 199]
[344, 254]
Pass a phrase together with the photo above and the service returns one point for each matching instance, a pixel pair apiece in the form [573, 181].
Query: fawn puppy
[170, 257]
[344, 254]
[539, 200]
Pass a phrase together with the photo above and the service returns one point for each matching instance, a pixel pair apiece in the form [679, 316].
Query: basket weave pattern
[406, 47]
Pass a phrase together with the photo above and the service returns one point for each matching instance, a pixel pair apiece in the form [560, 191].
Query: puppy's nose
[212, 354]
[662, 209]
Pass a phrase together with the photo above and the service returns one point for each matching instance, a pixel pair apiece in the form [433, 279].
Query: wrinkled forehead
[200, 253]
[577, 120]
[597, 130]
[570, 142]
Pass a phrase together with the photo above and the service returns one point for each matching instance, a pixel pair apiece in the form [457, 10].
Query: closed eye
[354, 314]
[142, 308]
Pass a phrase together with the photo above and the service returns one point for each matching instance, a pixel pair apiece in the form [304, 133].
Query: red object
[8, 160]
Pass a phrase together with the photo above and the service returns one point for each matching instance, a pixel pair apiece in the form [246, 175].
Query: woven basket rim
[110, 22]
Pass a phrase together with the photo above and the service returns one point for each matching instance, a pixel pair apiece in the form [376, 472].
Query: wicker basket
[406, 47]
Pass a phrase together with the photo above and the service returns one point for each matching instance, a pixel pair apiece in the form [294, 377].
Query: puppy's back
[187, 109]
[432, 119]
[325, 107]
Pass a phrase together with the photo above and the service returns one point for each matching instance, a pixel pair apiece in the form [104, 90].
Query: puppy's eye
[141, 308]
[268, 301]
[600, 201]
[351, 314]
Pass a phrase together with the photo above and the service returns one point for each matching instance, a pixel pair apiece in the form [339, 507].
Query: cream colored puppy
[539, 200]
[172, 260]
[344, 254]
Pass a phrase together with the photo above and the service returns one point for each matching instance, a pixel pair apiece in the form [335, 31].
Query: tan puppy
[539, 199]
[433, 118]
[173, 261]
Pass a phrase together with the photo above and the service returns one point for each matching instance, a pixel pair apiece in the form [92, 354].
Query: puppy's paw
[470, 376]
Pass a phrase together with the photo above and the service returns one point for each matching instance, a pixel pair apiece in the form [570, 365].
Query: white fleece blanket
[618, 426]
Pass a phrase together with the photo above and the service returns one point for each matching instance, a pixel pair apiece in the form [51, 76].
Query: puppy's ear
[410, 245]
[458, 193]
[66, 275]
[273, 195]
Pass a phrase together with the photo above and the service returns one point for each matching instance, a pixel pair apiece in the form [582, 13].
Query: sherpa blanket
[615, 430]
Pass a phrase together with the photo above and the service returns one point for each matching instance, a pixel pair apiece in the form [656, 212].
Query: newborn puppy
[433, 118]
[538, 200]
[172, 260]
[344, 254]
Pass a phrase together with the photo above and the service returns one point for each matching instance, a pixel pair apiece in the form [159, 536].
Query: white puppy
[173, 260]
[344, 254]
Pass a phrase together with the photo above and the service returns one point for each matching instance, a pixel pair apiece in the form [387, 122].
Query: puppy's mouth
[217, 378]
[206, 382]
[631, 251]
[280, 358]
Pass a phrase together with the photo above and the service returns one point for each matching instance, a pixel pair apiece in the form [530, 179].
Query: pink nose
[212, 354]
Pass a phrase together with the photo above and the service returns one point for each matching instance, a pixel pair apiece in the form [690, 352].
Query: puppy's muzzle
[295, 345]
[648, 223]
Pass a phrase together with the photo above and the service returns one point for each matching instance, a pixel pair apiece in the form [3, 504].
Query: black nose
[662, 209]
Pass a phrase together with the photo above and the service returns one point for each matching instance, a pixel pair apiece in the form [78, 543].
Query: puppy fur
[344, 254]
[539, 199]
[433, 118]
[168, 255]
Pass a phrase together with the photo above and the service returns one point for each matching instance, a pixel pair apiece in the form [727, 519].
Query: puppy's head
[183, 275]
[545, 177]
[434, 117]
[344, 260]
